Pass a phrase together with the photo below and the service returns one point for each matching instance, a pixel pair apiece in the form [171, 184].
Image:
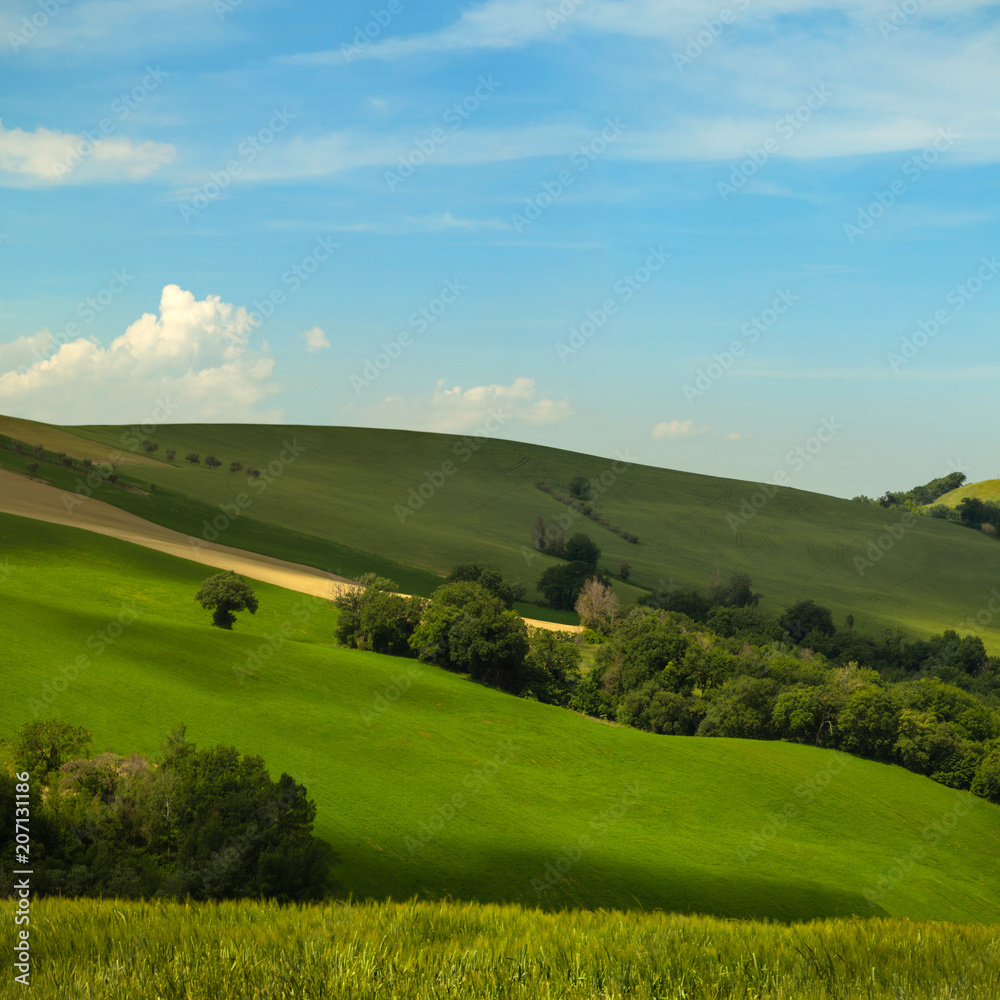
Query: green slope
[988, 489]
[385, 745]
[343, 487]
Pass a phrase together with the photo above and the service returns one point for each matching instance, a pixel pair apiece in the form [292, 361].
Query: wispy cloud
[458, 410]
[46, 156]
[675, 429]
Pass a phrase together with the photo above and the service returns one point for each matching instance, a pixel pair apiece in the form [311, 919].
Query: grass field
[87, 950]
[342, 487]
[31, 432]
[430, 785]
[988, 489]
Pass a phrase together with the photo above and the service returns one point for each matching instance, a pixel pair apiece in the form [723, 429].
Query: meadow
[988, 489]
[431, 786]
[115, 950]
[429, 501]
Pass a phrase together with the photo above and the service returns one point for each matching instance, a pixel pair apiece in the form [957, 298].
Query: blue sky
[754, 239]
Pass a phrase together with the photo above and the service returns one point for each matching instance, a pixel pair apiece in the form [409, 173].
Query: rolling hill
[430, 785]
[988, 489]
[411, 505]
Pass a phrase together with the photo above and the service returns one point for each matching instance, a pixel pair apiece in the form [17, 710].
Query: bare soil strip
[27, 498]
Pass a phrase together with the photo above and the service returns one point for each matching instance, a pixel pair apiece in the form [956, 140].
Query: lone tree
[224, 594]
[597, 606]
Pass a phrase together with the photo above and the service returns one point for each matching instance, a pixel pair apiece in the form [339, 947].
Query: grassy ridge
[384, 745]
[56, 439]
[120, 950]
[345, 484]
[988, 489]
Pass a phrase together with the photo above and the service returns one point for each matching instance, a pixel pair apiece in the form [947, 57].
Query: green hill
[430, 785]
[340, 500]
[988, 489]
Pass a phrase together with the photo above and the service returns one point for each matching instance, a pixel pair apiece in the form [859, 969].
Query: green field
[988, 489]
[430, 785]
[88, 950]
[334, 502]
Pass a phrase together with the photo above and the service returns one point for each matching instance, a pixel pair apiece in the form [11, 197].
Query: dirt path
[27, 498]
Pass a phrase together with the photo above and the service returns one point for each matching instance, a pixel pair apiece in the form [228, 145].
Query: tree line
[710, 664]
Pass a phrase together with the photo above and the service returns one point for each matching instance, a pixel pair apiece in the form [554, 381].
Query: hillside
[335, 503]
[384, 745]
[988, 489]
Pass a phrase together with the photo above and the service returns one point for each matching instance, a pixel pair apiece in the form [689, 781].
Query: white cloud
[664, 431]
[483, 408]
[46, 156]
[196, 354]
[316, 340]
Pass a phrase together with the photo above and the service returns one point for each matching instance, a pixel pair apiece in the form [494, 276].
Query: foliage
[580, 488]
[987, 779]
[805, 618]
[489, 578]
[921, 496]
[598, 606]
[209, 824]
[44, 744]
[467, 628]
[551, 669]
[581, 549]
[736, 592]
[372, 617]
[561, 585]
[224, 594]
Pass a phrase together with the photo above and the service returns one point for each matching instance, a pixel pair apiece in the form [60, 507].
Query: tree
[170, 453]
[560, 585]
[742, 708]
[372, 617]
[869, 723]
[805, 617]
[736, 592]
[551, 667]
[489, 578]
[236, 833]
[467, 628]
[624, 570]
[807, 714]
[987, 780]
[43, 745]
[32, 468]
[597, 606]
[581, 549]
[193, 457]
[235, 466]
[224, 594]
[579, 488]
[212, 462]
